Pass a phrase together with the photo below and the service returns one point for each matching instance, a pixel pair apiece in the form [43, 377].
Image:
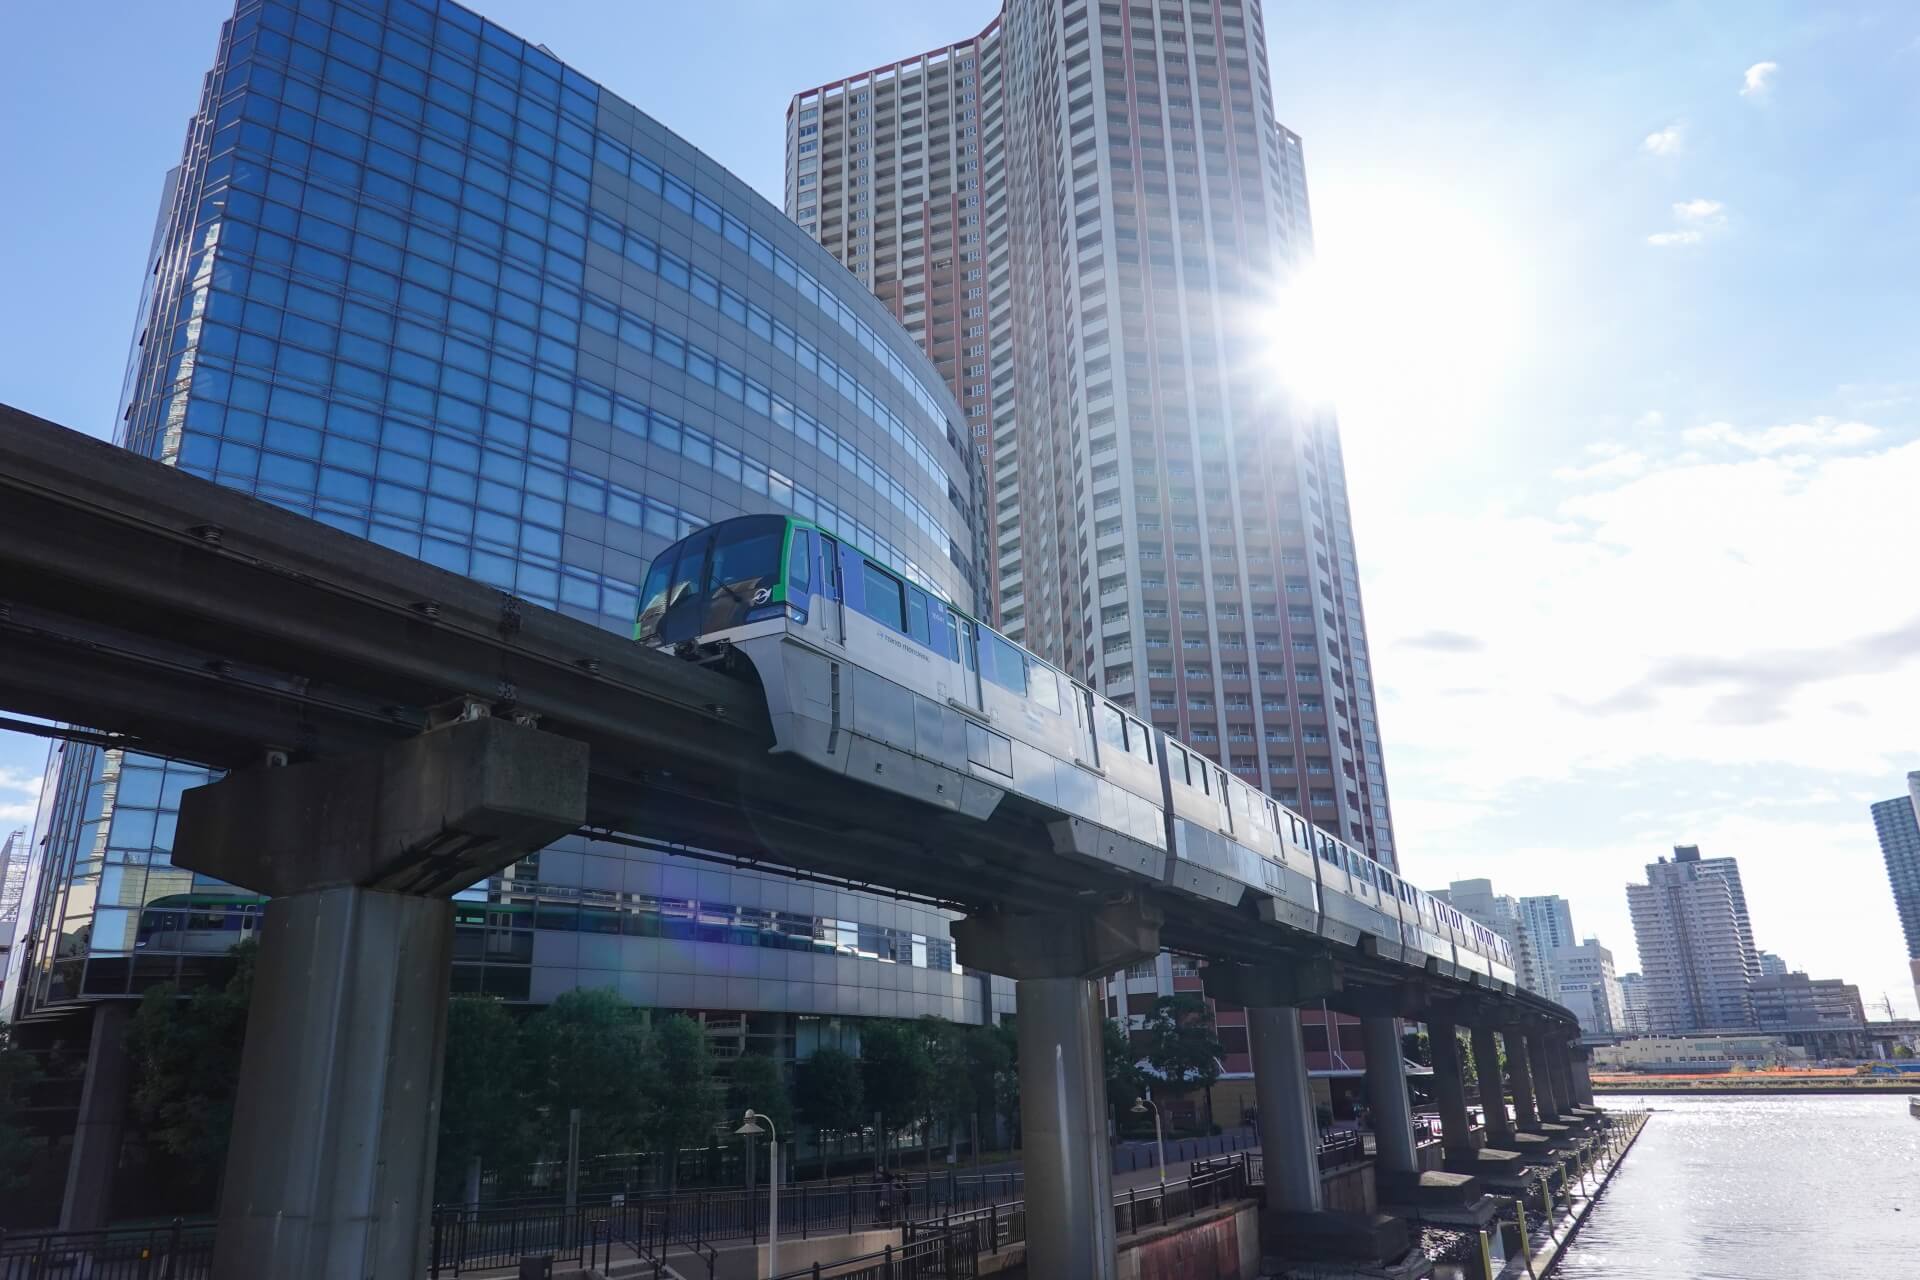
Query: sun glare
[1411, 315]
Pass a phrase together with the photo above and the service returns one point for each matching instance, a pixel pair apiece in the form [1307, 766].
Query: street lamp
[750, 1126]
[1140, 1107]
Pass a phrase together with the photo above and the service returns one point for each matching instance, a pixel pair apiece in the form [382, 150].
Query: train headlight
[792, 611]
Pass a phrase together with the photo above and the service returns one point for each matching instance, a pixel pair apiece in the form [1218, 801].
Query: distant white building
[1696, 1053]
[1584, 982]
[1772, 966]
[1633, 1004]
[1549, 924]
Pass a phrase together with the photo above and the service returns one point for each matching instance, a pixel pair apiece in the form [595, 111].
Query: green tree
[1125, 1081]
[1182, 1046]
[830, 1093]
[756, 1084]
[950, 1089]
[1902, 1051]
[482, 1111]
[588, 1049]
[990, 1069]
[18, 1073]
[1414, 1046]
[187, 1058]
[895, 1073]
[685, 1104]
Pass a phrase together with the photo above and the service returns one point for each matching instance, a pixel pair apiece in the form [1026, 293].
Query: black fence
[929, 1251]
[176, 1251]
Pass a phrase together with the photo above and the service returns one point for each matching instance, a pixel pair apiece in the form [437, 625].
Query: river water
[1759, 1188]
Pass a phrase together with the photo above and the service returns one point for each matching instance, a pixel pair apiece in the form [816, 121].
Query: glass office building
[419, 280]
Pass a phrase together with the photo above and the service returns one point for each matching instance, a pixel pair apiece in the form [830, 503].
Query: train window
[1176, 762]
[744, 571]
[1113, 731]
[681, 620]
[1139, 740]
[1328, 850]
[967, 642]
[917, 616]
[800, 567]
[883, 597]
[653, 595]
[1043, 685]
[1002, 662]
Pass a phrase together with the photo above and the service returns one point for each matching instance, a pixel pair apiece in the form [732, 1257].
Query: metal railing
[477, 1239]
[930, 1251]
[176, 1251]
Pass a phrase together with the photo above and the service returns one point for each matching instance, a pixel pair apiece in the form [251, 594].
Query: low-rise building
[1822, 1015]
[1702, 1054]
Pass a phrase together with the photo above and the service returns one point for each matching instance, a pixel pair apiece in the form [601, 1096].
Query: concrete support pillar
[1521, 1073]
[88, 1202]
[1063, 1105]
[1449, 1088]
[1289, 1130]
[1545, 1093]
[330, 1165]
[1063, 1123]
[1563, 1075]
[1582, 1079]
[1493, 1094]
[331, 1168]
[1387, 1092]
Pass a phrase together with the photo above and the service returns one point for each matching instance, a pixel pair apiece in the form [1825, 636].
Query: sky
[1617, 303]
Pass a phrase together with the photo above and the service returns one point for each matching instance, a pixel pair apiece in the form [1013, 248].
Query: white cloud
[15, 815]
[1759, 79]
[1698, 217]
[1822, 433]
[1651, 418]
[1703, 611]
[19, 780]
[1612, 462]
[1670, 141]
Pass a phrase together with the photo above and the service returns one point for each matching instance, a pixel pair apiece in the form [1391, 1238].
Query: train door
[833, 583]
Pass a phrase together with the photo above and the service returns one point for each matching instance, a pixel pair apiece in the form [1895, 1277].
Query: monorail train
[869, 675]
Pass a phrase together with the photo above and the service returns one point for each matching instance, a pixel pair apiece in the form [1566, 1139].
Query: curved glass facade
[419, 280]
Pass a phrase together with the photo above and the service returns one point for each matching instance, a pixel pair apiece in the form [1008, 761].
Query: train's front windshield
[712, 580]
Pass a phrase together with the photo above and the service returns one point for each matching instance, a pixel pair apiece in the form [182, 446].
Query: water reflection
[1759, 1188]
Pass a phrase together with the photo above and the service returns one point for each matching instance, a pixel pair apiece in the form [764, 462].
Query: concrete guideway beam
[330, 1167]
[1053, 958]
[1289, 1130]
[1395, 1147]
[1493, 1097]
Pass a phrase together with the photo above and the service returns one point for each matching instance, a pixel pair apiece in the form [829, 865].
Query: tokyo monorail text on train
[872, 677]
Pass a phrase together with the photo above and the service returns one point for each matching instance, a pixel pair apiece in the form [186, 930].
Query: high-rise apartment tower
[1893, 822]
[1085, 213]
[1696, 944]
